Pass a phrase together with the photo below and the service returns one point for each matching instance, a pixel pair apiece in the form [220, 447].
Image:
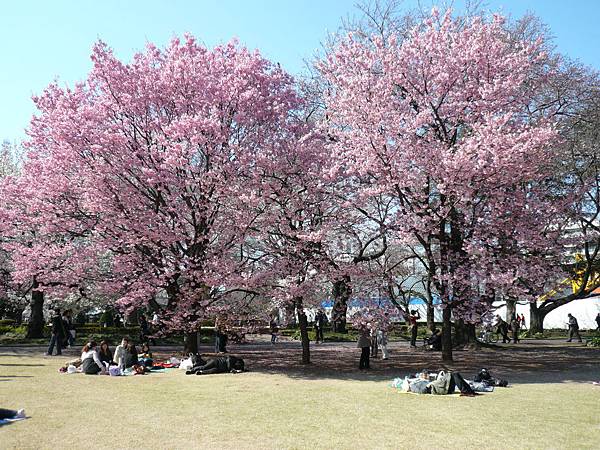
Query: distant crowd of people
[63, 333]
[97, 359]
[517, 323]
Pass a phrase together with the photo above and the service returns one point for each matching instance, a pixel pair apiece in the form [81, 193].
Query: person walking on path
[319, 324]
[220, 337]
[382, 339]
[364, 343]
[598, 322]
[69, 329]
[274, 330]
[58, 334]
[502, 329]
[573, 328]
[514, 328]
[414, 326]
[523, 327]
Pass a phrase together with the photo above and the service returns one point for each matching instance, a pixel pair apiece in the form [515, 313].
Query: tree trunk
[35, 329]
[511, 309]
[430, 317]
[430, 309]
[191, 342]
[341, 294]
[536, 319]
[303, 320]
[447, 334]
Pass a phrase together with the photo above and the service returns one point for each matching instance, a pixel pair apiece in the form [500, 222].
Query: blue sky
[45, 40]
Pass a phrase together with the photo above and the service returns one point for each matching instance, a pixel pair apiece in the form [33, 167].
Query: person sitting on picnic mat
[90, 360]
[145, 356]
[106, 355]
[434, 342]
[221, 364]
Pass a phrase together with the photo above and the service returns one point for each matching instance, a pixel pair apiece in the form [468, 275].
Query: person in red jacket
[414, 326]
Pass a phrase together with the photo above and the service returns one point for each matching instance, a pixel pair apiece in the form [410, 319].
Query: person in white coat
[382, 339]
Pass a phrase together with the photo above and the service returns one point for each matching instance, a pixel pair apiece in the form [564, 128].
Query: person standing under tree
[514, 328]
[414, 326]
[68, 327]
[364, 343]
[523, 322]
[58, 334]
[382, 339]
[502, 329]
[374, 342]
[144, 329]
[319, 324]
[598, 322]
[220, 336]
[573, 328]
[274, 330]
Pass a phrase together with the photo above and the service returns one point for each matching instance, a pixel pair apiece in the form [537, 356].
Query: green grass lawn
[258, 410]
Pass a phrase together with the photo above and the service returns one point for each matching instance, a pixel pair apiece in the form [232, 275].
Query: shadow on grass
[22, 365]
[15, 376]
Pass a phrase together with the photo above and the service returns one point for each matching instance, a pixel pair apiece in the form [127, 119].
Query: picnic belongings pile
[447, 382]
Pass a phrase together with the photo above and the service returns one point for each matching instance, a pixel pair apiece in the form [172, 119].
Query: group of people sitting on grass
[100, 359]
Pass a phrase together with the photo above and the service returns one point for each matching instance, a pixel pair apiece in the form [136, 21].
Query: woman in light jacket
[90, 360]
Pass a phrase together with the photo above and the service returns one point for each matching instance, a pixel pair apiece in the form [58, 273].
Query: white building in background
[584, 310]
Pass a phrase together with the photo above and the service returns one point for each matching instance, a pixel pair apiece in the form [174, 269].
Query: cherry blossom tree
[440, 122]
[148, 166]
[290, 237]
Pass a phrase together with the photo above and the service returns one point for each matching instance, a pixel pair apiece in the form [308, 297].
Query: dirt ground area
[531, 361]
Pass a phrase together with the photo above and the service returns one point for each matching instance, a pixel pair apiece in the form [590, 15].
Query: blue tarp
[383, 301]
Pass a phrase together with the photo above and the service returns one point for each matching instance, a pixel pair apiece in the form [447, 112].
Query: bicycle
[488, 337]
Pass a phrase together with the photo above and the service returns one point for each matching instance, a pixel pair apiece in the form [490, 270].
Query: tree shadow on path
[522, 363]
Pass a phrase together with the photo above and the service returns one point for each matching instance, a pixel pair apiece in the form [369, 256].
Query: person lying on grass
[11, 414]
[221, 364]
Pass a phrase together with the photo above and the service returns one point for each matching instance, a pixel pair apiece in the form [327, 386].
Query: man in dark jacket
[435, 340]
[68, 326]
[573, 329]
[319, 324]
[502, 329]
[221, 364]
[58, 334]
